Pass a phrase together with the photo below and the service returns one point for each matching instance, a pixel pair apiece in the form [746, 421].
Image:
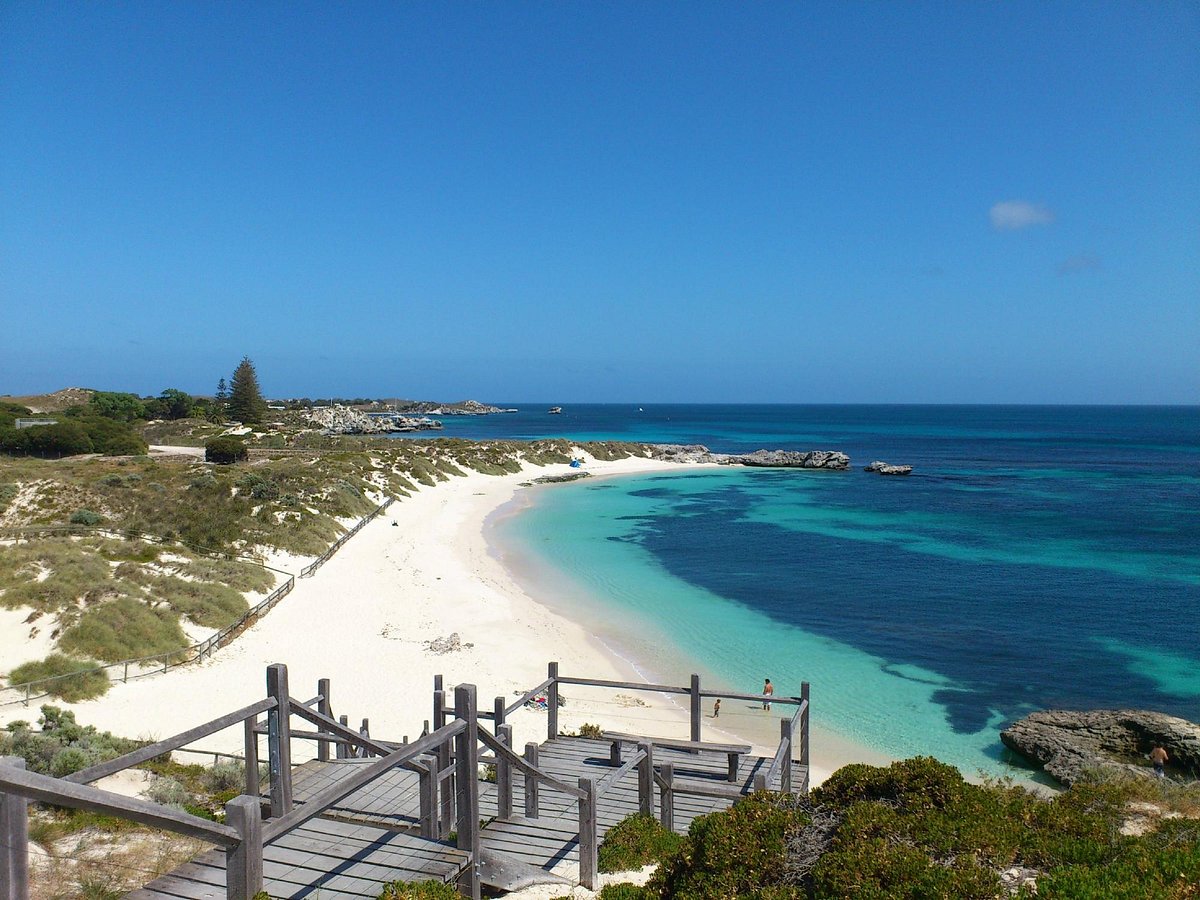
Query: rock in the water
[794, 459]
[887, 468]
[1068, 743]
[344, 420]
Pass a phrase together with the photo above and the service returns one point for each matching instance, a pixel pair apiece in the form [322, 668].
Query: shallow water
[1038, 557]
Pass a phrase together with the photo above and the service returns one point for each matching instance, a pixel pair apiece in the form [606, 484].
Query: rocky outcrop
[782, 459]
[1068, 743]
[883, 468]
[344, 420]
[462, 408]
[793, 459]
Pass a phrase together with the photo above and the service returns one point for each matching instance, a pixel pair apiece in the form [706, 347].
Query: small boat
[555, 410]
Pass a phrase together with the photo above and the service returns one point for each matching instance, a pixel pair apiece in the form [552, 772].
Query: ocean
[1038, 557]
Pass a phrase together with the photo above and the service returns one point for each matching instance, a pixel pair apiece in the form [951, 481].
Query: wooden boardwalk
[552, 838]
[321, 858]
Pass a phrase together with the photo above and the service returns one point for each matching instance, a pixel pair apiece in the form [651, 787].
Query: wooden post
[253, 789]
[427, 786]
[279, 740]
[443, 752]
[588, 845]
[325, 708]
[552, 702]
[666, 800]
[760, 781]
[365, 731]
[504, 781]
[466, 761]
[646, 779]
[804, 726]
[695, 708]
[244, 863]
[785, 737]
[498, 712]
[614, 754]
[14, 840]
[531, 783]
[344, 750]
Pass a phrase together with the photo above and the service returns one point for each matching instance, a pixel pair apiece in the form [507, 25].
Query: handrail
[150, 751]
[527, 696]
[759, 698]
[626, 685]
[344, 733]
[337, 545]
[82, 796]
[521, 763]
[773, 770]
[800, 710]
[613, 777]
[321, 801]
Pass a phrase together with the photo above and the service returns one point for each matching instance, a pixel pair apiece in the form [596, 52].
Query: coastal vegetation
[917, 829]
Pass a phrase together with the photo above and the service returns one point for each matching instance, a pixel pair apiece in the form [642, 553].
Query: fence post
[427, 788]
[365, 731]
[646, 779]
[785, 737]
[279, 740]
[504, 781]
[804, 726]
[244, 863]
[666, 802]
[552, 702]
[253, 788]
[443, 751]
[325, 708]
[498, 714]
[695, 708]
[588, 849]
[344, 750]
[760, 780]
[466, 761]
[14, 839]
[531, 783]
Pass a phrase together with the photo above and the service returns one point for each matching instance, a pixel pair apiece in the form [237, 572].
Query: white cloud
[1012, 215]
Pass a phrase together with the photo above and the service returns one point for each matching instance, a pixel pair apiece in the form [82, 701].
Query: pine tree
[246, 403]
[222, 392]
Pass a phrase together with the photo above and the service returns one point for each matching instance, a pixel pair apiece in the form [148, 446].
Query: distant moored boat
[555, 410]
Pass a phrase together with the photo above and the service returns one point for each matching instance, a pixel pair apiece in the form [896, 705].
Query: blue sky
[620, 201]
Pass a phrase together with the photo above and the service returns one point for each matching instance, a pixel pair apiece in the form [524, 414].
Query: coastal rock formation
[1068, 743]
[344, 420]
[780, 459]
[794, 459]
[887, 468]
[462, 408]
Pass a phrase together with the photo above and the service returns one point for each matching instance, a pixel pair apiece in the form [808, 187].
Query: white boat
[555, 410]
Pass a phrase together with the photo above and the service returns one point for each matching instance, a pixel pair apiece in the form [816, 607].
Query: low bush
[225, 450]
[86, 517]
[735, 853]
[62, 744]
[588, 730]
[423, 890]
[83, 681]
[635, 842]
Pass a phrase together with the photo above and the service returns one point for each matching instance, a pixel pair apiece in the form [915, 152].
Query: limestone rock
[344, 420]
[1067, 743]
[887, 468]
[794, 459]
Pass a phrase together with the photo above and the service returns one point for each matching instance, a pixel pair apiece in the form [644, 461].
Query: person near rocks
[768, 692]
[1159, 758]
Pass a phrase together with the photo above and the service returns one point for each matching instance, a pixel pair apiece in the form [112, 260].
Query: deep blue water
[1037, 557]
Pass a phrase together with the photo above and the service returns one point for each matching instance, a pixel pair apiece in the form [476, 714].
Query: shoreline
[420, 573]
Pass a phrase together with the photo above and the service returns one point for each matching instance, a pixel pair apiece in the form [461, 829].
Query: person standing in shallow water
[1158, 756]
[768, 691]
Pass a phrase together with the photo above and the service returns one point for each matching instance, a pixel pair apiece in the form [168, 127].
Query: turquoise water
[1039, 557]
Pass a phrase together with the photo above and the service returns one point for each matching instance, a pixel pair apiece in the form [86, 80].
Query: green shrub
[588, 730]
[623, 891]
[636, 841]
[69, 760]
[122, 629]
[168, 792]
[423, 890]
[84, 680]
[225, 450]
[47, 750]
[257, 487]
[734, 853]
[49, 441]
[86, 517]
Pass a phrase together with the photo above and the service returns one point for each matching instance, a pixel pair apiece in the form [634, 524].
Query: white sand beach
[420, 573]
